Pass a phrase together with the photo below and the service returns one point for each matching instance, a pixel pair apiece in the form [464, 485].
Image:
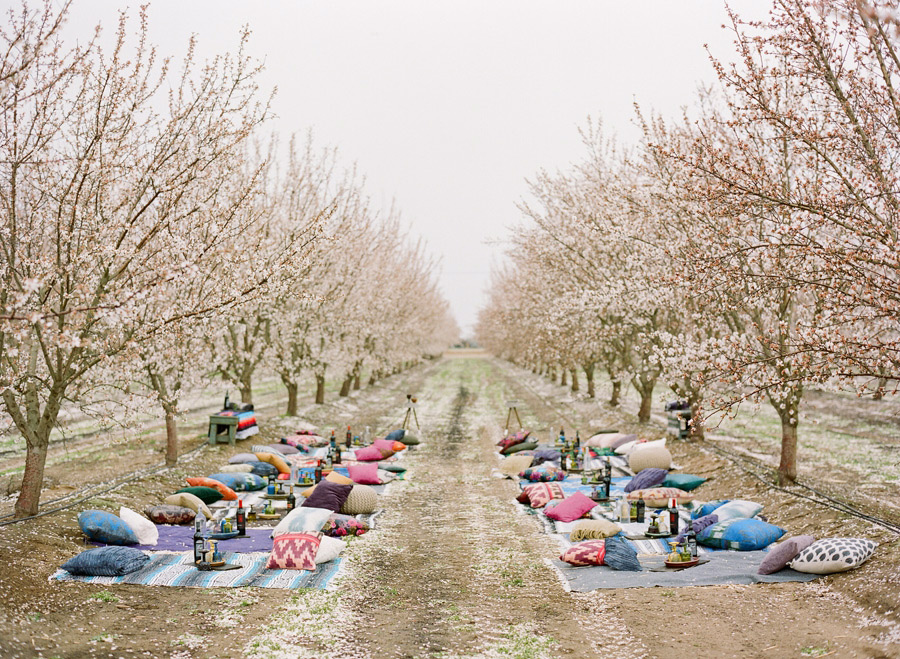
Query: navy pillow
[620, 555]
[646, 478]
[263, 469]
[395, 435]
[106, 562]
[328, 495]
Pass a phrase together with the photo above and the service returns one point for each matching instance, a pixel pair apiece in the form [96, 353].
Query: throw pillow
[396, 435]
[409, 439]
[144, 530]
[263, 469]
[284, 449]
[646, 478]
[275, 460]
[543, 474]
[101, 526]
[236, 468]
[593, 529]
[261, 448]
[366, 474]
[384, 444]
[737, 509]
[590, 552]
[362, 500]
[294, 551]
[611, 440]
[304, 519]
[686, 482]
[332, 477]
[387, 466]
[540, 494]
[644, 457]
[708, 507]
[658, 497]
[189, 501]
[168, 514]
[620, 555]
[106, 562]
[343, 525]
[524, 446]
[571, 508]
[509, 441]
[227, 493]
[368, 454]
[740, 534]
[511, 466]
[783, 553]
[207, 495]
[831, 555]
[328, 494]
[329, 549]
[242, 458]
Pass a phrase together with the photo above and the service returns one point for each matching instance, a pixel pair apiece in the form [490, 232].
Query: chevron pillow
[589, 552]
[294, 551]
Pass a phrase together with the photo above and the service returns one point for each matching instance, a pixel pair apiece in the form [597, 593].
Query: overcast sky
[448, 107]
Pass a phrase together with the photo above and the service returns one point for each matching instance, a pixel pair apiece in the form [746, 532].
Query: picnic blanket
[168, 569]
[724, 567]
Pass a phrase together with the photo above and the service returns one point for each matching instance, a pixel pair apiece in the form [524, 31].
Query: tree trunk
[292, 388]
[574, 379]
[246, 388]
[345, 386]
[320, 389]
[33, 478]
[787, 469]
[371, 378]
[356, 382]
[589, 376]
[563, 377]
[646, 406]
[171, 436]
[879, 391]
[616, 393]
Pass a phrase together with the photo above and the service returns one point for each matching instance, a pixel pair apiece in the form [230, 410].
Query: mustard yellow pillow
[334, 477]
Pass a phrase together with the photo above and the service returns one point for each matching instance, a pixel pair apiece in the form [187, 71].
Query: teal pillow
[207, 495]
[686, 482]
[396, 469]
[524, 446]
[740, 534]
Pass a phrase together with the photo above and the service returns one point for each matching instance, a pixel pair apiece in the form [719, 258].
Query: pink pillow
[590, 552]
[385, 444]
[368, 454]
[366, 474]
[294, 551]
[571, 508]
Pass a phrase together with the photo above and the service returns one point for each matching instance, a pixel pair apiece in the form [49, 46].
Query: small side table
[220, 425]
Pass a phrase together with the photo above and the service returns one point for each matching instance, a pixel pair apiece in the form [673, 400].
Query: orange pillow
[399, 446]
[275, 460]
[226, 492]
[334, 477]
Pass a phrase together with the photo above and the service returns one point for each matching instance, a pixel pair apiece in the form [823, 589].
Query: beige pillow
[643, 457]
[593, 529]
[334, 477]
[188, 500]
[511, 466]
[362, 500]
[658, 497]
[235, 469]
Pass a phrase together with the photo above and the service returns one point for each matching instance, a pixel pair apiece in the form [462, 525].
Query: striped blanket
[177, 569]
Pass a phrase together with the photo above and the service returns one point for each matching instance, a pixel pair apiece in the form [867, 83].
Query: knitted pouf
[362, 499]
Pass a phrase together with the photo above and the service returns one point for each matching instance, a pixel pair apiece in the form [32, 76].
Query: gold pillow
[334, 477]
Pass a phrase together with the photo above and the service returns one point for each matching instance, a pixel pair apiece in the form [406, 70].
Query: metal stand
[512, 404]
[410, 409]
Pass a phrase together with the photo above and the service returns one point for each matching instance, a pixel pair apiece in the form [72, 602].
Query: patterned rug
[166, 569]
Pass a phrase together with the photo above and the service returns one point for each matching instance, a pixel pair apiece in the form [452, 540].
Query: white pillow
[831, 555]
[738, 509]
[304, 519]
[144, 529]
[625, 448]
[329, 549]
[386, 476]
[235, 469]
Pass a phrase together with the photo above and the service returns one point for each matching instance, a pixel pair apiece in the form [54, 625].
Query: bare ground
[453, 569]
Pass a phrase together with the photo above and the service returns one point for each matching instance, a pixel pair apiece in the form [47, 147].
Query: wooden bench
[222, 425]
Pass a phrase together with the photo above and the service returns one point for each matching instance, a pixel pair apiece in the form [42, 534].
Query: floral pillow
[338, 526]
[543, 474]
[520, 436]
[294, 551]
[589, 552]
[540, 494]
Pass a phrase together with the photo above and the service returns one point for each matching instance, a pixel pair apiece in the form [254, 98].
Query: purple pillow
[543, 455]
[368, 454]
[783, 553]
[699, 524]
[284, 449]
[571, 508]
[624, 439]
[328, 494]
[647, 478]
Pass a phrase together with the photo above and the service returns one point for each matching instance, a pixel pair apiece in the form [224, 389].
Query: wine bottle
[690, 539]
[291, 500]
[337, 455]
[332, 442]
[240, 519]
[226, 401]
[318, 471]
[673, 516]
[641, 510]
[607, 478]
[199, 522]
[348, 442]
[577, 441]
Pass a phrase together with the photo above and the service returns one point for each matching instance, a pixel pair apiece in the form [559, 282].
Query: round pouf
[362, 500]
[650, 456]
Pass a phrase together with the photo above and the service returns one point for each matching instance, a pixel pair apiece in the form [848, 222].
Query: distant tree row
[152, 238]
[746, 251]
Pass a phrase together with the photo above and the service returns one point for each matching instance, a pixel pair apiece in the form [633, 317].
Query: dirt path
[453, 569]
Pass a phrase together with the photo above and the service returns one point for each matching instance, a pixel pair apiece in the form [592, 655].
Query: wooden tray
[275, 496]
[223, 536]
[657, 535]
[681, 564]
[265, 516]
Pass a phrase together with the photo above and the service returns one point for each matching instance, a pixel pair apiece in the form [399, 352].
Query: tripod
[410, 409]
[511, 404]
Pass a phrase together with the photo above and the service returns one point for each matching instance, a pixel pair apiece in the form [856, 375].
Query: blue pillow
[620, 555]
[106, 562]
[263, 469]
[646, 479]
[240, 482]
[741, 534]
[101, 526]
[395, 435]
[708, 508]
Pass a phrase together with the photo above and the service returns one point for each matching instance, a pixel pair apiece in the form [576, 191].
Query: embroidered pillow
[328, 494]
[646, 478]
[543, 474]
[831, 555]
[571, 508]
[170, 514]
[540, 494]
[658, 497]
[227, 493]
[783, 553]
[365, 474]
[368, 454]
[340, 526]
[590, 552]
[294, 551]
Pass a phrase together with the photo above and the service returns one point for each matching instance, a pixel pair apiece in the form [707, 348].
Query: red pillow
[590, 552]
[294, 551]
[368, 454]
[366, 474]
[540, 494]
[571, 508]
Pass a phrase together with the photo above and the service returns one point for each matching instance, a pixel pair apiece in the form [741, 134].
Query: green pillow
[686, 482]
[207, 495]
[522, 446]
[397, 469]
[409, 439]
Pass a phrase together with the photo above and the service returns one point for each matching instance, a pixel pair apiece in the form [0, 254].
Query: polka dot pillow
[833, 555]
